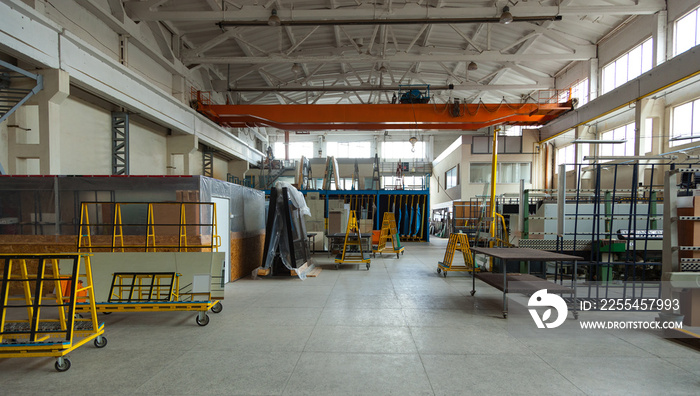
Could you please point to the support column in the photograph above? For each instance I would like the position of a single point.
(48, 148)
(659, 38)
(120, 143)
(207, 161)
(593, 79)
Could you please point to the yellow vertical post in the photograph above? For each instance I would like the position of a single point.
(216, 240)
(117, 230)
(492, 211)
(58, 290)
(183, 229)
(150, 229)
(84, 232)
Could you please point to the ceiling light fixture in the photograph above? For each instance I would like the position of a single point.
(506, 17)
(683, 137)
(594, 141)
(472, 66)
(274, 20)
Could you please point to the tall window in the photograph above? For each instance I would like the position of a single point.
(507, 172)
(296, 150)
(451, 177)
(686, 122)
(580, 92)
(686, 33)
(566, 155)
(649, 130)
(348, 149)
(625, 132)
(630, 65)
(402, 150)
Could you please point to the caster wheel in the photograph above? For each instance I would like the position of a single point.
(100, 344)
(576, 316)
(472, 292)
(444, 274)
(439, 270)
(402, 252)
(204, 321)
(217, 307)
(505, 315)
(106, 313)
(397, 255)
(367, 267)
(62, 367)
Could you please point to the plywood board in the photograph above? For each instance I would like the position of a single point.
(246, 254)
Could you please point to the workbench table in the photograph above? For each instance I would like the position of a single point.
(526, 283)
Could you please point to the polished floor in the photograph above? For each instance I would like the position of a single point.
(396, 329)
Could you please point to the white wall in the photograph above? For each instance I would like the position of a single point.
(147, 150)
(86, 138)
(149, 69)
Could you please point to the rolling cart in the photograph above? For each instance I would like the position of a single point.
(38, 325)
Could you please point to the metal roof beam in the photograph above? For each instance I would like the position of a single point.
(143, 12)
(585, 53)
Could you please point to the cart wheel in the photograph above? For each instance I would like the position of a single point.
(439, 270)
(367, 266)
(402, 252)
(106, 313)
(472, 292)
(217, 307)
(397, 255)
(101, 344)
(444, 274)
(505, 315)
(62, 367)
(204, 321)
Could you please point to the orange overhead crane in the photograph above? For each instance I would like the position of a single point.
(371, 117)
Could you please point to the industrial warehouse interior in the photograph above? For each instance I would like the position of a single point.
(349, 197)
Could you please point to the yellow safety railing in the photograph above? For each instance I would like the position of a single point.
(91, 231)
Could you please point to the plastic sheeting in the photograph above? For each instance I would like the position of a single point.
(50, 205)
(278, 238)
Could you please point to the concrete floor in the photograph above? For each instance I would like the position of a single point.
(398, 328)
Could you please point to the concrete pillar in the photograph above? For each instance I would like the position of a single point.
(45, 149)
(181, 149)
(659, 38)
(593, 79)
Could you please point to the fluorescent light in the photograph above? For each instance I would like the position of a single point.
(683, 137)
(594, 141)
(629, 157)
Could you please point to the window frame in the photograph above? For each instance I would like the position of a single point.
(626, 57)
(449, 177)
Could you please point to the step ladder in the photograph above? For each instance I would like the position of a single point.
(457, 242)
(376, 183)
(353, 253)
(331, 174)
(355, 177)
(389, 232)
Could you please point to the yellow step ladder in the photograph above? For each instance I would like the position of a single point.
(456, 242)
(389, 232)
(353, 238)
